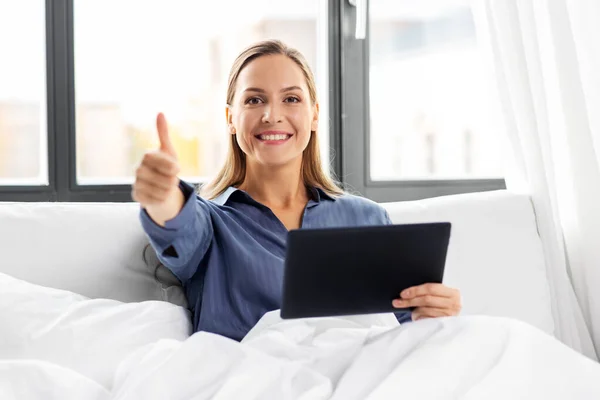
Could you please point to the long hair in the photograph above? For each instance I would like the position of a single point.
(233, 171)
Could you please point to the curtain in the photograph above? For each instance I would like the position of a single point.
(545, 66)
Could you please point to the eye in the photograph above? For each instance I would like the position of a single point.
(253, 100)
(292, 99)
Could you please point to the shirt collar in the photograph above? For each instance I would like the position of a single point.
(317, 195)
(223, 197)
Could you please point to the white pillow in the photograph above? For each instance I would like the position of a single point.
(495, 255)
(90, 336)
(96, 249)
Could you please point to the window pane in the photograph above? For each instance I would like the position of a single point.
(23, 126)
(430, 109)
(174, 57)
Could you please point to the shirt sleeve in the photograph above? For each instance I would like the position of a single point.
(182, 243)
(404, 317)
(386, 217)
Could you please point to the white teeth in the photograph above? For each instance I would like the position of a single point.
(274, 137)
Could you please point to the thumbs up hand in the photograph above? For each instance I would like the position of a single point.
(156, 185)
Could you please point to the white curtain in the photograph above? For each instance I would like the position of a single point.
(545, 63)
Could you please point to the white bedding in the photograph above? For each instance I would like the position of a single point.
(368, 357)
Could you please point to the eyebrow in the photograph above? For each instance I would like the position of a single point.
(259, 90)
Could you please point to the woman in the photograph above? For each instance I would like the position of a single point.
(227, 247)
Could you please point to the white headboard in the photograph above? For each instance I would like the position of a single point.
(97, 250)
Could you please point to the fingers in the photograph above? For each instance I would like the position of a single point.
(434, 289)
(430, 312)
(155, 179)
(430, 300)
(163, 136)
(160, 163)
(424, 301)
(147, 194)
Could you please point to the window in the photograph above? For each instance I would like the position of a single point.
(23, 133)
(404, 111)
(175, 58)
(425, 126)
(427, 89)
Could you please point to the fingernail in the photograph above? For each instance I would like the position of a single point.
(405, 293)
(396, 303)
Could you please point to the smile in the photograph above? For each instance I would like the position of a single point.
(274, 137)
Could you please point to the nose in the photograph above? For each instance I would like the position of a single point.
(272, 115)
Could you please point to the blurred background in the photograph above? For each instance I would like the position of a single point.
(428, 108)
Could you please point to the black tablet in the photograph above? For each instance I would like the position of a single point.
(350, 271)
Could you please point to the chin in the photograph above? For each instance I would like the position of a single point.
(277, 161)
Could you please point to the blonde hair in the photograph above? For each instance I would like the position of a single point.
(233, 171)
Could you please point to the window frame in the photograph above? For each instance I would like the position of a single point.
(62, 173)
(60, 91)
(349, 135)
(19, 193)
(355, 111)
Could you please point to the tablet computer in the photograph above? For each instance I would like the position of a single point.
(359, 270)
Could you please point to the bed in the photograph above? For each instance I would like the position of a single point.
(88, 313)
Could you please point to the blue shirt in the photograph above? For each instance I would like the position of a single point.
(229, 252)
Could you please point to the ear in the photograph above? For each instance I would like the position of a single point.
(229, 118)
(315, 121)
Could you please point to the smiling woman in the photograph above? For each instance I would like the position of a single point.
(228, 246)
(267, 115)
(271, 100)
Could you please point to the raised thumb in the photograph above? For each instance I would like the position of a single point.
(163, 135)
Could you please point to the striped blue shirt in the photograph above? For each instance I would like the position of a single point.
(229, 252)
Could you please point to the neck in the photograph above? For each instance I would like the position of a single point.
(280, 187)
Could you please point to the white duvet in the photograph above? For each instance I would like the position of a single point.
(56, 345)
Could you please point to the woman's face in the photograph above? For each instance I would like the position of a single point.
(271, 113)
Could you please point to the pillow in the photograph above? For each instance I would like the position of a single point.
(172, 290)
(495, 256)
(90, 336)
(96, 249)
